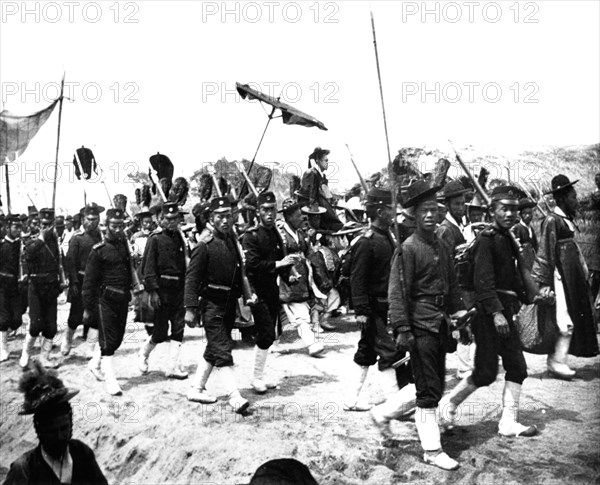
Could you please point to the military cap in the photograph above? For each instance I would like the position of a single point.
(526, 203)
(288, 206)
(47, 214)
(77, 218)
(507, 194)
(142, 214)
(23, 217)
(116, 215)
(418, 191)
(69, 218)
(559, 183)
(91, 209)
(14, 219)
(377, 197)
(32, 211)
(454, 188)
(266, 200)
(220, 204)
(170, 209)
(59, 221)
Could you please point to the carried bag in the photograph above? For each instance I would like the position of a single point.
(536, 329)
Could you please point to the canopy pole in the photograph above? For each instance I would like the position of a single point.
(62, 87)
(258, 147)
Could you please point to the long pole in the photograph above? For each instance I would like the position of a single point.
(394, 189)
(60, 104)
(258, 147)
(7, 189)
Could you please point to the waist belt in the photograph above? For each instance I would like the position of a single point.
(9, 275)
(39, 275)
(379, 299)
(213, 286)
(437, 300)
(167, 277)
(82, 272)
(116, 290)
(508, 293)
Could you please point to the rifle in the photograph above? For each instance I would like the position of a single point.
(362, 180)
(250, 297)
(531, 286)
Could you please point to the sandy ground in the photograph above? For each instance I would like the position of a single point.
(153, 435)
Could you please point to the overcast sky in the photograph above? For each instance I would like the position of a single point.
(152, 76)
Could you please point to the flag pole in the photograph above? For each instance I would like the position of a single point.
(60, 101)
(258, 147)
(394, 189)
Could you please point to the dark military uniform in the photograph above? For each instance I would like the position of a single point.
(262, 248)
(370, 272)
(431, 293)
(450, 234)
(80, 247)
(106, 287)
(498, 288)
(164, 272)
(12, 297)
(42, 262)
(214, 275)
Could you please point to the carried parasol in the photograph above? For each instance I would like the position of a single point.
(289, 114)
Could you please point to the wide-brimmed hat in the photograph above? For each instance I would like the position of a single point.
(476, 203)
(454, 188)
(417, 191)
(42, 389)
(282, 471)
(313, 209)
(559, 183)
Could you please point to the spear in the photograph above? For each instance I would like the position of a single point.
(60, 103)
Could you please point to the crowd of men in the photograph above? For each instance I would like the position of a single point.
(412, 299)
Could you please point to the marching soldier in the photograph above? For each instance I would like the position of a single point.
(80, 247)
(451, 230)
(264, 257)
(499, 291)
(559, 268)
(524, 232)
(214, 275)
(164, 278)
(423, 291)
(12, 299)
(106, 290)
(43, 261)
(294, 288)
(371, 261)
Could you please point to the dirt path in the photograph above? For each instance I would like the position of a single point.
(153, 435)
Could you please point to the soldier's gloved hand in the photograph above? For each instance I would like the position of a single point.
(546, 296)
(191, 318)
(154, 299)
(405, 341)
(86, 317)
(501, 325)
(363, 321)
